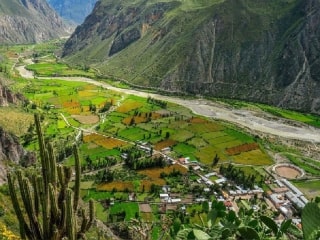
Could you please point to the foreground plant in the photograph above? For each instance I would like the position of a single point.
(49, 209)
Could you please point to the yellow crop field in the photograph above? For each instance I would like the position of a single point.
(74, 110)
(136, 120)
(110, 143)
(15, 121)
(71, 104)
(254, 157)
(91, 137)
(198, 120)
(119, 186)
(86, 119)
(106, 142)
(87, 93)
(154, 173)
(146, 184)
(128, 106)
(163, 144)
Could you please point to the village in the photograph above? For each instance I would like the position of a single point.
(282, 199)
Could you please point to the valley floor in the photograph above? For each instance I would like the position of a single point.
(245, 118)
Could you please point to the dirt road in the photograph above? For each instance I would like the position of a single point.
(245, 118)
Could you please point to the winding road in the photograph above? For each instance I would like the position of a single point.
(245, 118)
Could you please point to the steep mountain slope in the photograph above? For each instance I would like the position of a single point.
(73, 10)
(10, 149)
(266, 51)
(28, 21)
(8, 97)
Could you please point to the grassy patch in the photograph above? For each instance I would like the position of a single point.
(15, 121)
(254, 157)
(101, 212)
(185, 150)
(131, 209)
(308, 165)
(133, 133)
(49, 69)
(182, 136)
(311, 188)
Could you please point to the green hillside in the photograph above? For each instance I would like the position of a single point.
(251, 50)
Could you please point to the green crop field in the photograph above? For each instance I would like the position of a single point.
(311, 188)
(185, 150)
(49, 69)
(194, 137)
(130, 209)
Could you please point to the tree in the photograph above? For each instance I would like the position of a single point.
(167, 135)
(131, 121)
(215, 160)
(49, 208)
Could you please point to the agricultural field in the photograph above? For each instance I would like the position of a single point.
(311, 188)
(188, 136)
(309, 165)
(112, 128)
(15, 120)
(71, 105)
(48, 66)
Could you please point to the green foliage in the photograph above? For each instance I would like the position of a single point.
(270, 224)
(311, 221)
(223, 224)
(249, 233)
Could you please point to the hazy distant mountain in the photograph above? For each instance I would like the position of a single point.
(73, 10)
(28, 21)
(266, 51)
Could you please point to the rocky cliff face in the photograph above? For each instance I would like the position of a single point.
(12, 151)
(73, 10)
(265, 51)
(8, 97)
(29, 21)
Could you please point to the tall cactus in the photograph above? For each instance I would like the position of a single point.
(49, 209)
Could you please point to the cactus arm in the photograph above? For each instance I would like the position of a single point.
(63, 217)
(52, 166)
(77, 177)
(70, 217)
(24, 228)
(43, 155)
(55, 212)
(91, 214)
(36, 195)
(29, 206)
(45, 209)
(85, 221)
(67, 175)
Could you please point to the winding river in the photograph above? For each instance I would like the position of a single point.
(245, 118)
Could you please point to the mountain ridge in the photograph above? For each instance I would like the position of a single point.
(73, 10)
(29, 21)
(256, 51)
